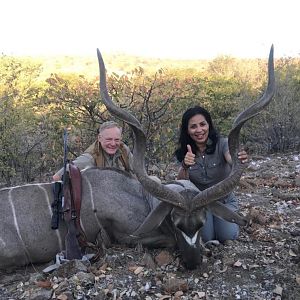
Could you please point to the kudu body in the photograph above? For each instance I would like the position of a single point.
(112, 200)
(129, 210)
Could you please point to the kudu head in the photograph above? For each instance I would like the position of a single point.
(187, 206)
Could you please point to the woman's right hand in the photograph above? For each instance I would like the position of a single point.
(189, 159)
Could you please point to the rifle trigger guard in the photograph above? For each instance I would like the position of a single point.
(73, 215)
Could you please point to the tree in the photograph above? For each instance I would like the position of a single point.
(277, 129)
(19, 139)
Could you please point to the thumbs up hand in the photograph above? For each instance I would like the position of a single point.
(189, 158)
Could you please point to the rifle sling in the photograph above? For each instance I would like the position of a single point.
(72, 212)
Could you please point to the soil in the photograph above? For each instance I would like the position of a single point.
(262, 264)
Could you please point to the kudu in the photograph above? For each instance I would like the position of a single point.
(186, 208)
(131, 211)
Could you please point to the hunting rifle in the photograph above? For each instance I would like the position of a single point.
(72, 247)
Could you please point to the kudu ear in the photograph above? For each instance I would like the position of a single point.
(154, 219)
(220, 210)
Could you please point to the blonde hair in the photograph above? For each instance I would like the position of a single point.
(108, 124)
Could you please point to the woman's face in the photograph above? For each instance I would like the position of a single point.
(198, 129)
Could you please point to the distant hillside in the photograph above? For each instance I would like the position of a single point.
(118, 63)
(124, 63)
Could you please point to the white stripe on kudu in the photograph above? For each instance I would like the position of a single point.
(17, 225)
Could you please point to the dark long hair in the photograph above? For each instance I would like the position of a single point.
(185, 139)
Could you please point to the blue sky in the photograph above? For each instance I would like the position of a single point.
(188, 29)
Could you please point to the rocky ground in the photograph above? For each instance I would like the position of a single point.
(262, 264)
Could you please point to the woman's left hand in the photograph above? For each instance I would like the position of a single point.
(243, 156)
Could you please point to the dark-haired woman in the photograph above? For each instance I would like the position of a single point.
(205, 161)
